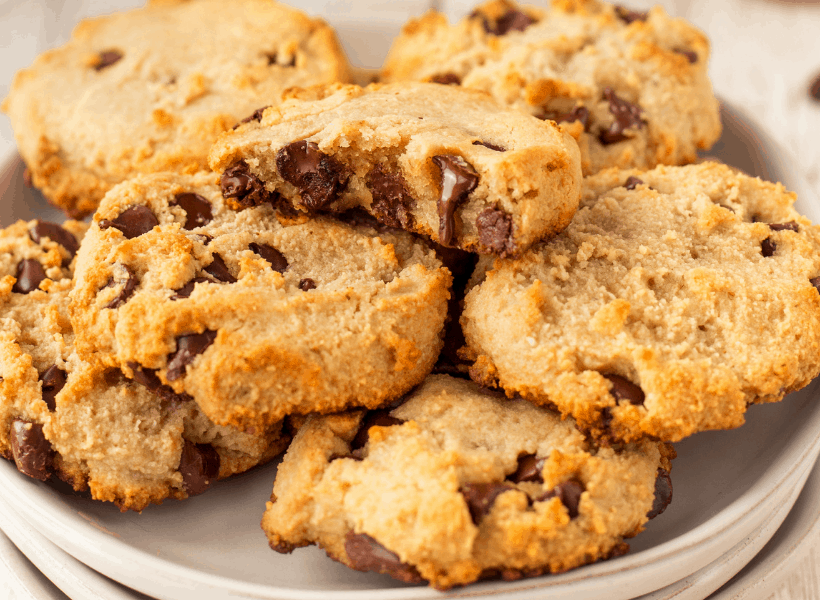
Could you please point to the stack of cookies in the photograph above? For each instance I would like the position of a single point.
(476, 302)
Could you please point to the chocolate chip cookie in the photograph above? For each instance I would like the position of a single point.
(258, 313)
(448, 163)
(675, 299)
(631, 87)
(458, 483)
(151, 89)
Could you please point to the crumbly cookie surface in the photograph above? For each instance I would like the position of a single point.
(253, 317)
(458, 483)
(127, 443)
(675, 298)
(631, 87)
(448, 163)
(151, 89)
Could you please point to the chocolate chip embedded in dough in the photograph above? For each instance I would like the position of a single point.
(789, 226)
(219, 270)
(107, 58)
(692, 57)
(31, 450)
(186, 290)
(529, 469)
(446, 79)
(318, 177)
(307, 284)
(129, 284)
(256, 116)
(569, 492)
(815, 281)
(480, 497)
(623, 389)
(495, 231)
(197, 209)
(630, 16)
(45, 229)
(132, 222)
(147, 377)
(373, 418)
(392, 202)
(768, 247)
(512, 20)
(579, 113)
(489, 145)
(245, 188)
(627, 116)
(458, 180)
(366, 554)
(663, 493)
(199, 466)
(277, 260)
(53, 381)
(29, 275)
(632, 182)
(188, 347)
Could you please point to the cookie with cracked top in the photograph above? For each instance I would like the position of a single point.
(256, 314)
(631, 87)
(448, 163)
(151, 89)
(457, 484)
(675, 299)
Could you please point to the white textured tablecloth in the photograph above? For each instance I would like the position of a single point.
(764, 56)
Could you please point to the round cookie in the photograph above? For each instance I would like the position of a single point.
(151, 89)
(675, 298)
(631, 87)
(458, 484)
(253, 317)
(448, 163)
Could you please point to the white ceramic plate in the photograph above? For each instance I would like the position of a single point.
(212, 546)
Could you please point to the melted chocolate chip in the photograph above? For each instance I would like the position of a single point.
(186, 290)
(366, 554)
(107, 58)
(630, 16)
(458, 180)
(29, 275)
(188, 347)
(132, 222)
(53, 381)
(692, 57)
(480, 497)
(446, 79)
(579, 113)
(495, 231)
(44, 229)
(277, 260)
(256, 116)
(199, 466)
(245, 188)
(197, 209)
(529, 469)
(569, 493)
(128, 287)
(627, 115)
(512, 20)
(489, 145)
(307, 284)
(219, 270)
(663, 493)
(790, 226)
(373, 418)
(392, 201)
(768, 247)
(318, 177)
(623, 389)
(632, 182)
(814, 88)
(147, 377)
(31, 450)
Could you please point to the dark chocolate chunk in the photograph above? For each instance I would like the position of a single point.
(663, 493)
(307, 284)
(188, 347)
(481, 496)
(147, 377)
(814, 88)
(815, 281)
(692, 57)
(495, 231)
(219, 270)
(489, 145)
(632, 182)
(579, 113)
(630, 16)
(199, 466)
(392, 201)
(277, 260)
(53, 381)
(529, 469)
(366, 554)
(107, 58)
(627, 115)
(512, 20)
(44, 229)
(128, 286)
(132, 222)
(790, 226)
(29, 275)
(768, 247)
(186, 290)
(446, 79)
(458, 180)
(256, 116)
(569, 493)
(31, 450)
(318, 177)
(244, 187)
(197, 209)
(373, 418)
(623, 389)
